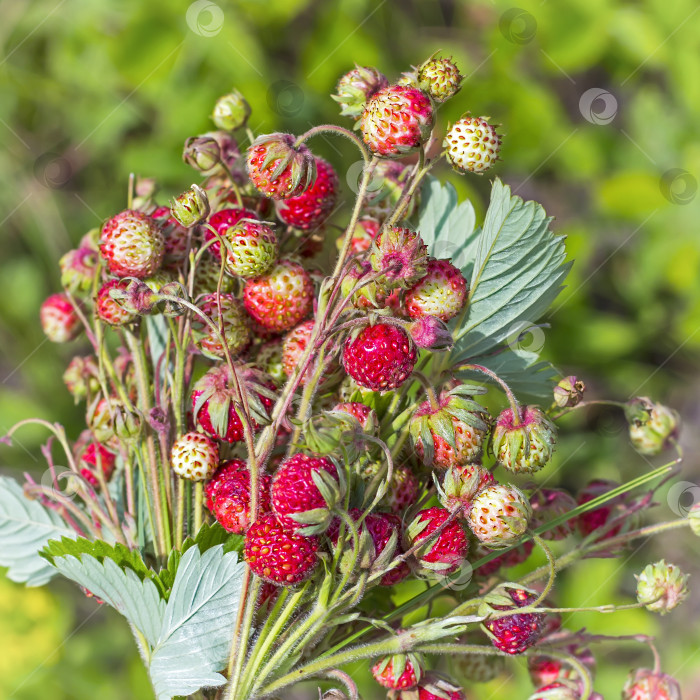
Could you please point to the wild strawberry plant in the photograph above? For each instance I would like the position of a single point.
(276, 444)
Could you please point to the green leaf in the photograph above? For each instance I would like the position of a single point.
(208, 536)
(121, 555)
(193, 643)
(25, 528)
(518, 270)
(522, 371)
(138, 601)
(446, 226)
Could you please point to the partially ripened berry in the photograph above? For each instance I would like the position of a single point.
(524, 443)
(282, 298)
(194, 456)
(461, 484)
(396, 121)
(96, 457)
(399, 671)
(221, 221)
(223, 310)
(108, 309)
(380, 357)
(295, 492)
(231, 500)
(278, 555)
(555, 691)
(514, 634)
(356, 87)
(132, 244)
(434, 687)
(400, 256)
(441, 293)
(441, 554)
(472, 144)
(251, 249)
(59, 319)
(78, 269)
(652, 426)
(403, 489)
(661, 587)
(365, 415)
(450, 432)
(279, 168)
(311, 208)
(499, 515)
(363, 234)
(644, 684)
(549, 504)
(440, 78)
(214, 403)
(293, 348)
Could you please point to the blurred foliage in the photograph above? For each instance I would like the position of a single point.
(91, 91)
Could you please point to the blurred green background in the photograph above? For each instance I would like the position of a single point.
(600, 105)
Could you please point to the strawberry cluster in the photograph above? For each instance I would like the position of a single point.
(312, 412)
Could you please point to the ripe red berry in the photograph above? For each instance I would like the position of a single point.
(516, 633)
(599, 517)
(59, 321)
(294, 492)
(282, 298)
(398, 672)
(231, 498)
(313, 206)
(380, 357)
(443, 554)
(278, 168)
(364, 414)
(225, 470)
(95, 456)
(213, 401)
(278, 555)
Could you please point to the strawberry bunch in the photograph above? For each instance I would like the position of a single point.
(313, 418)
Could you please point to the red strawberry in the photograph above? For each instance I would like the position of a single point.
(294, 492)
(403, 490)
(599, 517)
(312, 207)
(443, 554)
(396, 121)
(441, 293)
(235, 326)
(232, 499)
(221, 221)
(132, 244)
(279, 168)
(59, 320)
(380, 357)
(644, 684)
(213, 401)
(281, 299)
(398, 672)
(109, 310)
(95, 456)
(176, 236)
(194, 456)
(277, 555)
(516, 633)
(227, 469)
(435, 687)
